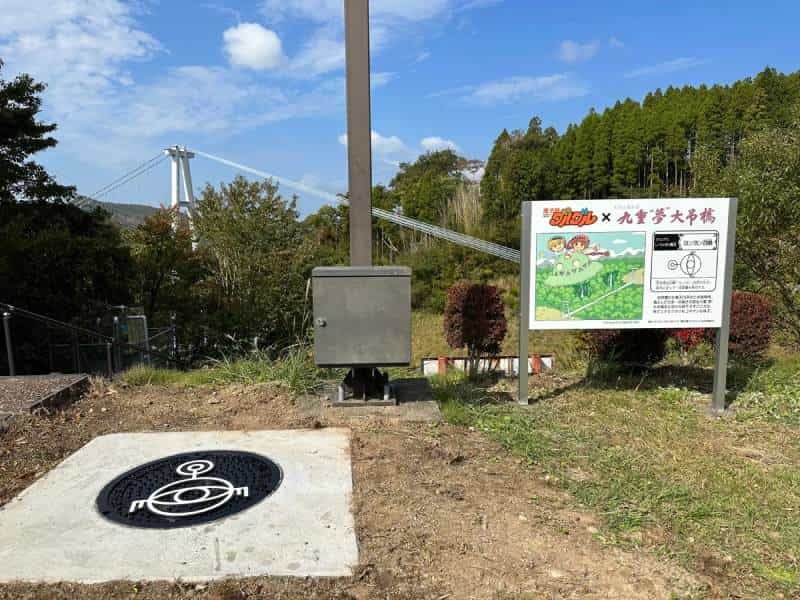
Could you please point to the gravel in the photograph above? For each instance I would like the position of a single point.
(18, 394)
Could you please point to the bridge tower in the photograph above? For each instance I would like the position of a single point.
(181, 171)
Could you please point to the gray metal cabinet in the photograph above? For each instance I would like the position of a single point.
(362, 316)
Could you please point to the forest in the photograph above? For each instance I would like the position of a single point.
(740, 139)
(247, 278)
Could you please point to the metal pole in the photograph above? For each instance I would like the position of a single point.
(116, 336)
(7, 328)
(359, 130)
(50, 348)
(109, 364)
(723, 333)
(524, 302)
(173, 337)
(76, 349)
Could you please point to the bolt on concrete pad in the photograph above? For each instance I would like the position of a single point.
(53, 531)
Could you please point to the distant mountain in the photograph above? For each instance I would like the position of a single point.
(125, 215)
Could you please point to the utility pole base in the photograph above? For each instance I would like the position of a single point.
(365, 387)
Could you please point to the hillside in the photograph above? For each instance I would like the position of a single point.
(125, 215)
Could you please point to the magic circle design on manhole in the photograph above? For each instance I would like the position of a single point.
(189, 489)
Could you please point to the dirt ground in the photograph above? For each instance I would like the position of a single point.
(441, 512)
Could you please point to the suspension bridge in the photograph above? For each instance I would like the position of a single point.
(181, 181)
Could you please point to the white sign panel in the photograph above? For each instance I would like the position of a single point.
(640, 263)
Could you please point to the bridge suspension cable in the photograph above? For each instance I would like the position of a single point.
(128, 177)
(461, 239)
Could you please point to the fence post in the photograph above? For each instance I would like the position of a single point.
(174, 337)
(108, 361)
(117, 353)
(7, 328)
(50, 349)
(76, 350)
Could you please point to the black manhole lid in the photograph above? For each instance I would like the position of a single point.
(189, 489)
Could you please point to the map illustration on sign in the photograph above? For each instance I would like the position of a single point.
(589, 276)
(684, 261)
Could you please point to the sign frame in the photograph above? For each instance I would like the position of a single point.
(722, 332)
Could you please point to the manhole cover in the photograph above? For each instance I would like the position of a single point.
(189, 489)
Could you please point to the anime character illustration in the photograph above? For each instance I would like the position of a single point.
(556, 247)
(580, 244)
(581, 279)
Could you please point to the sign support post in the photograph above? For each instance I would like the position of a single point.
(524, 302)
(723, 333)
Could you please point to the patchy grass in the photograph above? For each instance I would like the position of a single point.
(772, 393)
(295, 368)
(720, 495)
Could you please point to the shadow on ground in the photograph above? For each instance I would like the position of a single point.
(693, 378)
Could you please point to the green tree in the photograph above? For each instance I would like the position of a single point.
(765, 176)
(424, 187)
(22, 135)
(166, 266)
(258, 261)
(328, 234)
(61, 261)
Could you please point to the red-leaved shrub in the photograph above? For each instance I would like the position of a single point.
(474, 318)
(689, 338)
(751, 325)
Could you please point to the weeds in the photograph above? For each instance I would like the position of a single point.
(294, 369)
(772, 393)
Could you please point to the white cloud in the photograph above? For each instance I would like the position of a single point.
(322, 11)
(81, 49)
(422, 56)
(77, 48)
(383, 145)
(573, 52)
(253, 46)
(513, 89)
(110, 116)
(192, 101)
(434, 143)
(669, 66)
(615, 42)
(323, 51)
(618, 242)
(381, 78)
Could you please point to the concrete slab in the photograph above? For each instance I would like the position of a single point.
(53, 532)
(27, 393)
(415, 403)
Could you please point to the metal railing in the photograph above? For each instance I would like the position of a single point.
(100, 353)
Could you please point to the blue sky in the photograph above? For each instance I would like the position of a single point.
(261, 82)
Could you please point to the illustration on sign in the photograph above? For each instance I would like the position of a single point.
(654, 262)
(583, 277)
